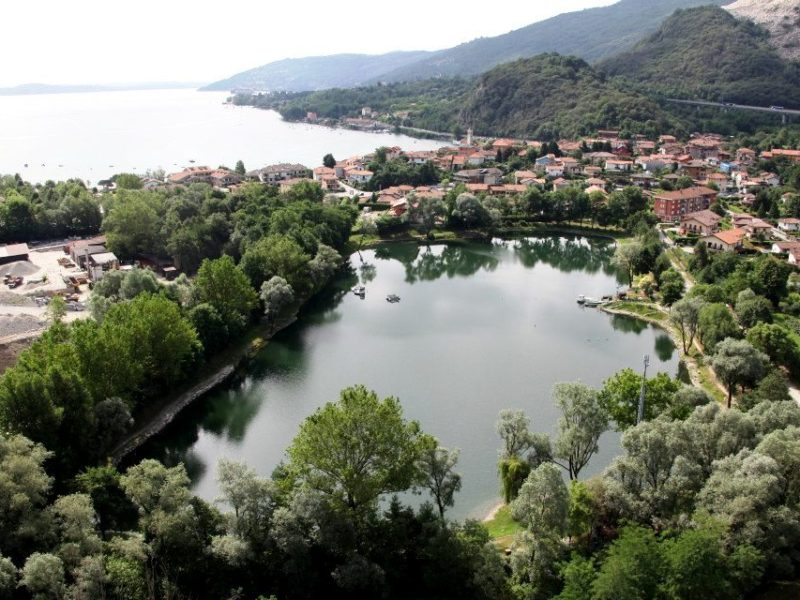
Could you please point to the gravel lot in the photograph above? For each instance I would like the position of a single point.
(18, 324)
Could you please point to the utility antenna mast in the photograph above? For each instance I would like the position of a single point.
(640, 416)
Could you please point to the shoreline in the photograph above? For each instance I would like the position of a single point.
(229, 362)
(260, 334)
(493, 512)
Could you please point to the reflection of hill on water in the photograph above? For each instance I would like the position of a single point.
(567, 254)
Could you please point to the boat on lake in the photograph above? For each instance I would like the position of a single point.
(359, 290)
(393, 298)
(588, 301)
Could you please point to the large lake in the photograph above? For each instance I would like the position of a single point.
(480, 327)
(95, 135)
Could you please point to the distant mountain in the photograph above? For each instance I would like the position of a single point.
(706, 53)
(27, 89)
(317, 72)
(590, 34)
(780, 17)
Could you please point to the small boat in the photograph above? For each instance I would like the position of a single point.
(359, 290)
(393, 298)
(587, 301)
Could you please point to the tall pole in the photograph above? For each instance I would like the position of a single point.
(640, 416)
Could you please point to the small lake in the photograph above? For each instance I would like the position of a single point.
(480, 327)
(92, 136)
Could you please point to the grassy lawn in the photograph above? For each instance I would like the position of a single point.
(503, 528)
(736, 209)
(643, 309)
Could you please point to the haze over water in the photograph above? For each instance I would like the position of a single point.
(61, 136)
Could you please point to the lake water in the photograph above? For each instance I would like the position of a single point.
(479, 328)
(61, 136)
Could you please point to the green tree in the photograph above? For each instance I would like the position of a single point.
(543, 502)
(239, 168)
(716, 323)
(43, 576)
(253, 500)
(155, 334)
(672, 286)
(685, 315)
(583, 420)
(357, 449)
(627, 258)
(133, 223)
(24, 485)
(776, 342)
(752, 309)
(696, 565)
(737, 362)
(469, 212)
(633, 568)
(323, 266)
(8, 578)
(277, 255)
(437, 466)
(329, 161)
(582, 507)
(221, 284)
(773, 388)
(620, 395)
(128, 181)
(578, 575)
(773, 275)
(276, 295)
(57, 309)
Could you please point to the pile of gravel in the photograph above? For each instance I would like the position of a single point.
(12, 299)
(20, 268)
(17, 324)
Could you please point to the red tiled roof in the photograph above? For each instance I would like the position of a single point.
(731, 236)
(686, 194)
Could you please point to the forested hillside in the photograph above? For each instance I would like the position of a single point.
(547, 97)
(590, 34)
(707, 53)
(551, 97)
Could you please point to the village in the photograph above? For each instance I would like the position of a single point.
(684, 181)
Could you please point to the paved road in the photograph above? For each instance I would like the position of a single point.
(779, 111)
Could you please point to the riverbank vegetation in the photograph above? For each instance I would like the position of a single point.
(84, 384)
(693, 477)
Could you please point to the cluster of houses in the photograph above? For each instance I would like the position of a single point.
(640, 162)
(596, 165)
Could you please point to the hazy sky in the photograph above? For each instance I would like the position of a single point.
(108, 41)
